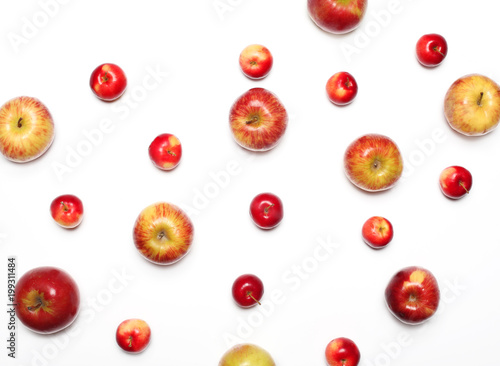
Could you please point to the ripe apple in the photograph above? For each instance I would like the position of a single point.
(337, 16)
(246, 355)
(247, 290)
(377, 232)
(47, 300)
(341, 88)
(258, 120)
(373, 163)
(165, 151)
(342, 352)
(412, 295)
(256, 61)
(67, 211)
(108, 82)
(266, 210)
(455, 182)
(431, 49)
(472, 105)
(133, 335)
(163, 233)
(26, 129)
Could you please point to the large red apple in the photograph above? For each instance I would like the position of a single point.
(47, 300)
(247, 354)
(373, 163)
(337, 16)
(163, 233)
(26, 129)
(133, 335)
(342, 352)
(258, 120)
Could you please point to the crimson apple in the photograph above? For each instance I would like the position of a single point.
(455, 182)
(337, 16)
(377, 232)
(342, 352)
(256, 61)
(108, 82)
(247, 290)
(266, 210)
(165, 151)
(431, 49)
(67, 211)
(133, 335)
(341, 88)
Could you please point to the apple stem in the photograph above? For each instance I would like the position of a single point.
(438, 51)
(105, 77)
(253, 120)
(19, 124)
(348, 83)
(37, 306)
(171, 153)
(130, 341)
(266, 210)
(462, 183)
(65, 207)
(254, 299)
(480, 99)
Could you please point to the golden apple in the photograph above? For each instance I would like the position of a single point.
(246, 355)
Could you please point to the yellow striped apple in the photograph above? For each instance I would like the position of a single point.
(247, 355)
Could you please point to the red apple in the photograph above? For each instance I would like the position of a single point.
(377, 232)
(258, 120)
(266, 210)
(163, 233)
(337, 16)
(342, 352)
(67, 211)
(256, 61)
(165, 151)
(341, 88)
(412, 295)
(431, 49)
(246, 355)
(26, 129)
(133, 335)
(373, 163)
(47, 300)
(108, 82)
(247, 290)
(455, 182)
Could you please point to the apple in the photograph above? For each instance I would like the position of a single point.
(163, 233)
(431, 49)
(256, 61)
(342, 352)
(455, 182)
(337, 16)
(247, 290)
(133, 335)
(108, 82)
(47, 300)
(412, 295)
(67, 211)
(373, 163)
(26, 129)
(341, 88)
(377, 232)
(247, 354)
(266, 210)
(472, 105)
(258, 120)
(165, 151)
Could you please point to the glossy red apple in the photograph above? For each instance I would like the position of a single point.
(108, 82)
(133, 335)
(455, 182)
(412, 295)
(337, 16)
(258, 120)
(266, 210)
(342, 352)
(248, 290)
(377, 232)
(256, 61)
(165, 151)
(47, 300)
(67, 211)
(431, 49)
(341, 88)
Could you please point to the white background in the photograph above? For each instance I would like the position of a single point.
(189, 305)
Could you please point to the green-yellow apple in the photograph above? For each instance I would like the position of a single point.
(246, 355)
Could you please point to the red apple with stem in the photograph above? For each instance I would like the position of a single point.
(165, 151)
(337, 16)
(455, 182)
(256, 61)
(341, 88)
(377, 232)
(247, 290)
(67, 211)
(342, 352)
(133, 335)
(47, 300)
(431, 50)
(108, 82)
(266, 210)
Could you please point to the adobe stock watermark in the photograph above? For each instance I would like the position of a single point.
(91, 139)
(222, 7)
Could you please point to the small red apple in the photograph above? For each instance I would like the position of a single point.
(377, 232)
(266, 210)
(341, 88)
(247, 290)
(256, 61)
(108, 82)
(165, 151)
(455, 182)
(342, 352)
(133, 335)
(431, 49)
(67, 211)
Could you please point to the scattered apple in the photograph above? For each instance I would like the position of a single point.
(108, 82)
(377, 232)
(247, 290)
(47, 300)
(133, 335)
(341, 88)
(431, 49)
(26, 129)
(67, 211)
(165, 151)
(258, 120)
(472, 105)
(337, 16)
(256, 61)
(342, 352)
(266, 210)
(455, 182)
(246, 355)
